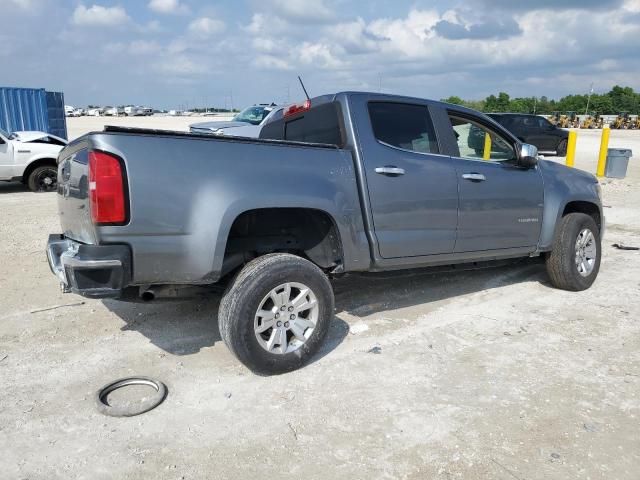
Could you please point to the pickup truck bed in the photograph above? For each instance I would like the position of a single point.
(341, 183)
(205, 176)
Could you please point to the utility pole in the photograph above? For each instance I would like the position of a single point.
(535, 101)
(379, 83)
(589, 99)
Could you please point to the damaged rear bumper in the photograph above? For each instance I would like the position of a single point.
(95, 271)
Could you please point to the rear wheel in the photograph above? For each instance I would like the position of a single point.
(276, 312)
(43, 179)
(574, 261)
(561, 149)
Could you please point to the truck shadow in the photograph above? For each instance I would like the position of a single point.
(12, 187)
(183, 327)
(367, 294)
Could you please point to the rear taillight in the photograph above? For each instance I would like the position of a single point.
(106, 189)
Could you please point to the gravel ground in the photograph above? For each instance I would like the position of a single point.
(482, 374)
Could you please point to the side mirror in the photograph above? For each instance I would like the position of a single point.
(527, 156)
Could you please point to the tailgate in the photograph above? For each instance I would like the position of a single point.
(73, 195)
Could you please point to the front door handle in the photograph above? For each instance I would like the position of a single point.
(390, 170)
(474, 177)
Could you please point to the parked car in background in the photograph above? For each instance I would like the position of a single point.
(535, 130)
(351, 182)
(68, 110)
(94, 112)
(113, 111)
(78, 112)
(30, 157)
(247, 123)
(131, 111)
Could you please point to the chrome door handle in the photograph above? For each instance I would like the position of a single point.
(390, 170)
(474, 177)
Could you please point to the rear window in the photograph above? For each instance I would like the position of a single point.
(321, 124)
(403, 125)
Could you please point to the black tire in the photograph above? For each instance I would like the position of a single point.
(243, 297)
(561, 149)
(43, 179)
(561, 261)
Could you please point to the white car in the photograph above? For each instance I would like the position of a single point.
(132, 111)
(30, 157)
(94, 112)
(247, 123)
(114, 111)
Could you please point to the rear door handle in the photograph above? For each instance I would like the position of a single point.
(390, 170)
(474, 177)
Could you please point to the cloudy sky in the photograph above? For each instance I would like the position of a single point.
(173, 53)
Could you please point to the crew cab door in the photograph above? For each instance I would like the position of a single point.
(412, 188)
(500, 202)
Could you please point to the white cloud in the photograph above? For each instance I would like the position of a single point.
(318, 54)
(23, 4)
(271, 62)
(143, 47)
(205, 27)
(97, 15)
(168, 7)
(302, 10)
(180, 66)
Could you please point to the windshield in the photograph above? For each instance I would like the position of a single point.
(252, 115)
(5, 134)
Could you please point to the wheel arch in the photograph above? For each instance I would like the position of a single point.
(586, 207)
(312, 233)
(35, 163)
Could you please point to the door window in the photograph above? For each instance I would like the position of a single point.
(404, 126)
(544, 123)
(478, 142)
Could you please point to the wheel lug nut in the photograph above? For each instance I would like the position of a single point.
(292, 317)
(277, 315)
(283, 308)
(286, 324)
(291, 309)
(278, 324)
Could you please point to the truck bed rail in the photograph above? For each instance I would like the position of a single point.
(225, 138)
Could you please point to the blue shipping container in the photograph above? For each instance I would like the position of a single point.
(32, 109)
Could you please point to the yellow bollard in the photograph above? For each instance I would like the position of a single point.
(602, 158)
(571, 148)
(486, 154)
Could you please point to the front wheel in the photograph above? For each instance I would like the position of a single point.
(43, 179)
(574, 261)
(276, 312)
(561, 149)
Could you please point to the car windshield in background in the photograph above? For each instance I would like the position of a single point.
(252, 115)
(6, 134)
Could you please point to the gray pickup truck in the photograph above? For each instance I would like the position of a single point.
(340, 183)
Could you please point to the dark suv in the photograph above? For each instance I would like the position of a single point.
(535, 130)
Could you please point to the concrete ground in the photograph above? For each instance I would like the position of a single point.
(487, 374)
